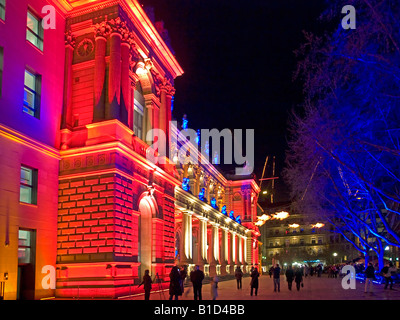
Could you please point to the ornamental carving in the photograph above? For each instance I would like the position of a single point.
(85, 47)
(102, 29)
(69, 38)
(162, 83)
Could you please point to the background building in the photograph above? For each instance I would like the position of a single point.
(302, 238)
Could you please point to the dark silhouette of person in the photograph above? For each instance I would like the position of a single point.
(146, 282)
(197, 277)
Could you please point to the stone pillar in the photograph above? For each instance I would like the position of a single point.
(99, 76)
(126, 107)
(233, 249)
(203, 240)
(163, 107)
(114, 77)
(245, 251)
(214, 249)
(66, 121)
(240, 250)
(187, 237)
(224, 250)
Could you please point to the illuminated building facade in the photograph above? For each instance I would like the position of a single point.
(78, 190)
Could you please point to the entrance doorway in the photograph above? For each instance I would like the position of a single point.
(26, 264)
(148, 209)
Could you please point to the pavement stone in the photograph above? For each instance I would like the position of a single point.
(315, 288)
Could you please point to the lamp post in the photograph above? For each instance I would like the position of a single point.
(334, 257)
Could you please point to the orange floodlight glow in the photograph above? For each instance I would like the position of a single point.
(280, 215)
(317, 225)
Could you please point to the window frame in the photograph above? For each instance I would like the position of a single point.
(138, 109)
(3, 10)
(33, 186)
(39, 35)
(36, 92)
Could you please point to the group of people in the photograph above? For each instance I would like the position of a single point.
(176, 284)
(291, 274)
(387, 272)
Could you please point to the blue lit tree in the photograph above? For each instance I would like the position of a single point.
(343, 161)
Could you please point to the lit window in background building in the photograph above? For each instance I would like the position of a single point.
(2, 9)
(28, 185)
(34, 31)
(24, 246)
(32, 93)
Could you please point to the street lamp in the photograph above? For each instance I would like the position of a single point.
(334, 257)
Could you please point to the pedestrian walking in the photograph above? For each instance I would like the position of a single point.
(254, 282)
(214, 288)
(369, 276)
(270, 271)
(174, 283)
(289, 277)
(306, 270)
(183, 274)
(387, 273)
(146, 282)
(197, 277)
(277, 280)
(298, 278)
(238, 276)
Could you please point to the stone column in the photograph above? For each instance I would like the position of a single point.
(66, 121)
(163, 107)
(214, 249)
(126, 107)
(114, 77)
(233, 249)
(203, 240)
(187, 237)
(224, 250)
(102, 30)
(240, 250)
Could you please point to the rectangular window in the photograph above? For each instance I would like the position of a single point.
(138, 121)
(32, 84)
(3, 9)
(28, 185)
(34, 30)
(24, 246)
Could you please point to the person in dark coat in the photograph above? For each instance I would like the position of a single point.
(175, 289)
(369, 276)
(239, 276)
(197, 277)
(146, 282)
(298, 278)
(254, 281)
(270, 272)
(289, 277)
(277, 281)
(183, 274)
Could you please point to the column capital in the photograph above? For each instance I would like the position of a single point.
(102, 29)
(69, 38)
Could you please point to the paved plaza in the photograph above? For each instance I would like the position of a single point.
(315, 288)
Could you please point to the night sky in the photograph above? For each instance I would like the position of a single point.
(238, 64)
